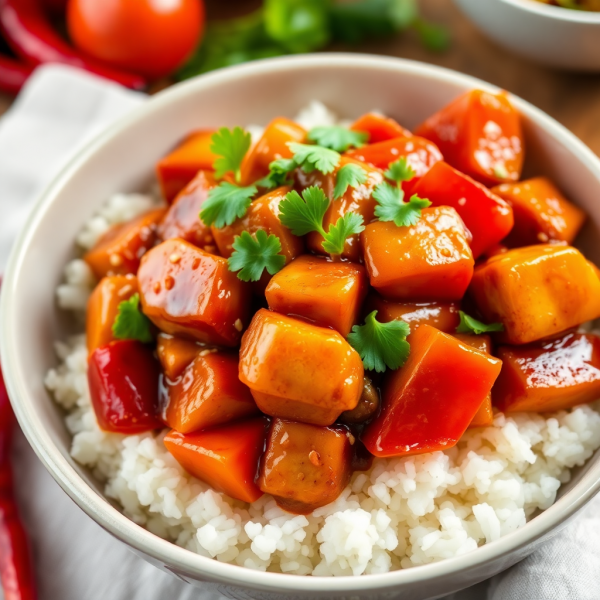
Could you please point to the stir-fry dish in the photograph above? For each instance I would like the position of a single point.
(319, 299)
(593, 5)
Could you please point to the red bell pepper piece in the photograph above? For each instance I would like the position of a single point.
(429, 403)
(13, 74)
(123, 380)
(480, 134)
(30, 35)
(488, 217)
(379, 128)
(226, 457)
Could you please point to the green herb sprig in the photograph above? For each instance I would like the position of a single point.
(253, 253)
(474, 327)
(131, 323)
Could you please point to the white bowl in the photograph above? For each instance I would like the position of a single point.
(552, 35)
(122, 158)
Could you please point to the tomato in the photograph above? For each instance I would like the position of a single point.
(149, 37)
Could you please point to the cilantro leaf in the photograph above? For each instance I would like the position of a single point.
(381, 345)
(350, 175)
(225, 203)
(131, 323)
(255, 253)
(337, 138)
(279, 171)
(230, 145)
(473, 326)
(391, 205)
(350, 224)
(302, 215)
(400, 170)
(314, 157)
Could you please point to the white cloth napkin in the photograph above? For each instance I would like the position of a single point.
(59, 109)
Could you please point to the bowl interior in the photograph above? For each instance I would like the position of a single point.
(122, 159)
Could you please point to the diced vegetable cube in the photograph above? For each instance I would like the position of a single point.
(182, 221)
(358, 200)
(304, 466)
(430, 401)
(441, 315)
(541, 212)
(186, 291)
(272, 145)
(488, 217)
(178, 168)
(367, 406)
(420, 154)
(208, 393)
(119, 250)
(485, 415)
(480, 134)
(262, 214)
(427, 261)
(548, 377)
(225, 457)
(123, 382)
(379, 128)
(536, 291)
(286, 363)
(102, 308)
(329, 294)
(175, 354)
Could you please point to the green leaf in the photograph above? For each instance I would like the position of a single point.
(433, 36)
(230, 145)
(279, 171)
(302, 215)
(350, 175)
(337, 138)
(400, 171)
(334, 240)
(255, 253)
(226, 203)
(131, 323)
(298, 25)
(315, 157)
(391, 205)
(473, 326)
(381, 345)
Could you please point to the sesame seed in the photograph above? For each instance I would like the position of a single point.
(314, 458)
(175, 258)
(116, 260)
(238, 325)
(207, 351)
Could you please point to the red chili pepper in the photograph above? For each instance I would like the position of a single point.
(31, 36)
(13, 74)
(16, 571)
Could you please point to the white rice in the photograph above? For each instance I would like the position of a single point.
(403, 512)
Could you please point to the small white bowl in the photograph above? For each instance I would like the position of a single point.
(552, 35)
(122, 159)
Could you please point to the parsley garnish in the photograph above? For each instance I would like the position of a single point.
(400, 171)
(225, 203)
(350, 175)
(473, 326)
(314, 157)
(381, 345)
(255, 253)
(279, 171)
(337, 138)
(131, 323)
(230, 146)
(391, 205)
(301, 215)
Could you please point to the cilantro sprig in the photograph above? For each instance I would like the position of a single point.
(400, 171)
(303, 214)
(255, 253)
(311, 157)
(226, 203)
(350, 175)
(392, 207)
(381, 345)
(279, 174)
(473, 326)
(131, 323)
(337, 138)
(230, 146)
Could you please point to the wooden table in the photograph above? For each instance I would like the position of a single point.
(573, 99)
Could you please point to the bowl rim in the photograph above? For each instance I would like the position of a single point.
(179, 560)
(557, 13)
